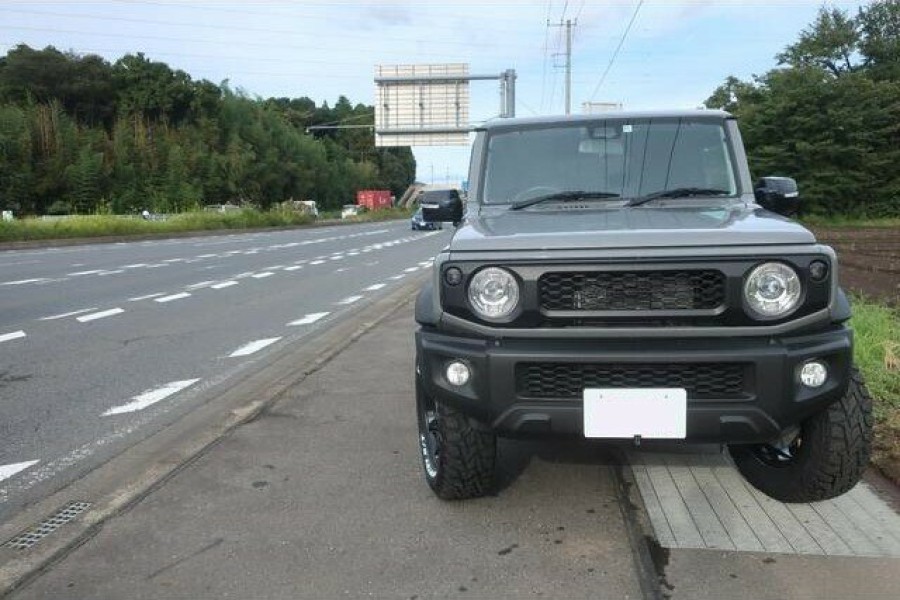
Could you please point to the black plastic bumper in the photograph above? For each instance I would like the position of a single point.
(771, 399)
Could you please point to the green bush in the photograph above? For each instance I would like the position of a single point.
(877, 352)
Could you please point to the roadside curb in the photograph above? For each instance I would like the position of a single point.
(113, 488)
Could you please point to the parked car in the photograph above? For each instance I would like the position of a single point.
(417, 221)
(351, 210)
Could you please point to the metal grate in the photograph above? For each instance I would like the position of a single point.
(569, 380)
(29, 538)
(632, 290)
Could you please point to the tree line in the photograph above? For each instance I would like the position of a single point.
(79, 134)
(829, 114)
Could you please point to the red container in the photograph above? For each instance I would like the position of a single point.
(374, 199)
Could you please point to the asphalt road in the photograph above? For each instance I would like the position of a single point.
(102, 345)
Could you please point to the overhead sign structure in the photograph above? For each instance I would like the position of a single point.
(428, 105)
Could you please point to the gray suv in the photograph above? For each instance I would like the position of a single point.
(619, 277)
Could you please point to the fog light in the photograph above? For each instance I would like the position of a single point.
(458, 373)
(813, 374)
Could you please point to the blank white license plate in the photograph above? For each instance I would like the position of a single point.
(625, 413)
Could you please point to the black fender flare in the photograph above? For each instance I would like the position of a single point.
(425, 314)
(841, 312)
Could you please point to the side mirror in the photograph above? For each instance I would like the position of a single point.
(778, 194)
(441, 205)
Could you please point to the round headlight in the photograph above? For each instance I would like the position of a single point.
(493, 293)
(772, 290)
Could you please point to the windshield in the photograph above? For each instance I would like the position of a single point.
(629, 159)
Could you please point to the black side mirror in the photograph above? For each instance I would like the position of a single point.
(441, 205)
(778, 194)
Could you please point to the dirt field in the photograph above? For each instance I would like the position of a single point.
(869, 260)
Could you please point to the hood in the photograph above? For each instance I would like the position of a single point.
(736, 224)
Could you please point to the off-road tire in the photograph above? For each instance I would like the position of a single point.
(834, 450)
(464, 466)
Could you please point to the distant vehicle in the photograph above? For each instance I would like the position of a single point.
(418, 222)
(374, 199)
(309, 207)
(351, 210)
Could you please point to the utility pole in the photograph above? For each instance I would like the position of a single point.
(568, 25)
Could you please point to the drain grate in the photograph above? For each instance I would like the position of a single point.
(32, 536)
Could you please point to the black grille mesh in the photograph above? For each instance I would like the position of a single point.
(568, 380)
(632, 290)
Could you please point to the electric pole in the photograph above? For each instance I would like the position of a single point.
(568, 25)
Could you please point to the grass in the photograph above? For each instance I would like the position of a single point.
(877, 354)
(849, 222)
(112, 225)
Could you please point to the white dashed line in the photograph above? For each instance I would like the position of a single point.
(12, 336)
(411, 269)
(396, 277)
(135, 266)
(68, 314)
(207, 255)
(93, 272)
(100, 315)
(252, 347)
(115, 272)
(293, 268)
(197, 286)
(151, 397)
(354, 253)
(172, 297)
(310, 318)
(147, 297)
(262, 275)
(24, 281)
(7, 471)
(375, 287)
(349, 300)
(223, 285)
(317, 262)
(174, 260)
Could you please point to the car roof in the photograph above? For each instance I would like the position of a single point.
(622, 115)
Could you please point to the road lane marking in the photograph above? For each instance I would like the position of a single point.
(68, 314)
(293, 268)
(349, 300)
(78, 273)
(172, 297)
(252, 347)
(262, 275)
(174, 260)
(197, 286)
(100, 315)
(317, 262)
(374, 287)
(147, 297)
(24, 281)
(207, 255)
(15, 335)
(135, 266)
(309, 319)
(7, 471)
(150, 397)
(411, 269)
(223, 285)
(115, 272)
(396, 277)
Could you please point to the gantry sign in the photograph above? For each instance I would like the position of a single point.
(428, 105)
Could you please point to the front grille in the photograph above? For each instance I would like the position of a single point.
(568, 380)
(632, 290)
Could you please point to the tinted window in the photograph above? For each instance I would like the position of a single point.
(626, 158)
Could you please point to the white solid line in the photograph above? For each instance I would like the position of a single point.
(375, 287)
(100, 315)
(349, 300)
(310, 318)
(135, 266)
(24, 281)
(95, 271)
(262, 275)
(147, 297)
(68, 314)
(253, 347)
(172, 297)
(12, 336)
(116, 272)
(293, 268)
(223, 285)
(7, 471)
(150, 397)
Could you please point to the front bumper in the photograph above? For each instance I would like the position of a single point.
(766, 399)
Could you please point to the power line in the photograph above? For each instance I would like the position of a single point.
(616, 51)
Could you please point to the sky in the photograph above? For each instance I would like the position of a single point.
(640, 54)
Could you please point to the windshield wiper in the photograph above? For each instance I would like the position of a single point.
(564, 197)
(682, 192)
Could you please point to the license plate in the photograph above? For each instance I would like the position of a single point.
(626, 413)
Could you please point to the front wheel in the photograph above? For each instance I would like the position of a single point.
(822, 458)
(458, 454)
